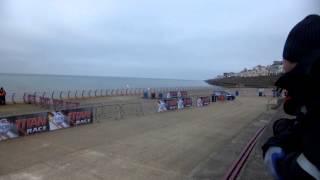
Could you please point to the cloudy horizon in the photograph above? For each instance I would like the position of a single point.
(150, 39)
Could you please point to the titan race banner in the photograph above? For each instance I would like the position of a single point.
(68, 118)
(24, 125)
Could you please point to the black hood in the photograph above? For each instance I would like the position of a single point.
(302, 82)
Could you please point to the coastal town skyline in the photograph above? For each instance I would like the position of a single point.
(275, 68)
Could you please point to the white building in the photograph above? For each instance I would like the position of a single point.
(274, 69)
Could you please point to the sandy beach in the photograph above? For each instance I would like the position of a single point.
(196, 143)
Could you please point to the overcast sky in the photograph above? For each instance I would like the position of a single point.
(176, 39)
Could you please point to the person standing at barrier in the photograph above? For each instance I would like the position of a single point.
(293, 152)
(180, 104)
(162, 106)
(168, 95)
(2, 96)
(199, 102)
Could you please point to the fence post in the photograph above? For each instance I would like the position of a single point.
(12, 98)
(61, 95)
(35, 97)
(24, 98)
(52, 95)
(76, 94)
(69, 94)
(89, 94)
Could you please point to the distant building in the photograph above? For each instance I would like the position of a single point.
(275, 69)
(231, 74)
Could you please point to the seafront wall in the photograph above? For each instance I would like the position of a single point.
(253, 82)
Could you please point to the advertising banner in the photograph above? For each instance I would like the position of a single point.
(24, 125)
(205, 101)
(68, 118)
(187, 102)
(79, 116)
(8, 129)
(172, 104)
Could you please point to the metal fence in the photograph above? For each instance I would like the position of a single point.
(13, 97)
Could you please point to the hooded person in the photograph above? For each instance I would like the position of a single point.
(293, 152)
(2, 96)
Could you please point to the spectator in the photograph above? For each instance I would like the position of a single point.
(180, 104)
(293, 152)
(2, 96)
(162, 106)
(199, 102)
(168, 95)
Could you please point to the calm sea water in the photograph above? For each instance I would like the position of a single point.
(19, 83)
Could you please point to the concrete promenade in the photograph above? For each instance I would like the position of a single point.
(198, 143)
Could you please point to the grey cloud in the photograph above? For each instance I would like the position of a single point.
(179, 39)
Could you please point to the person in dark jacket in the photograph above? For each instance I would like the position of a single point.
(294, 150)
(2, 96)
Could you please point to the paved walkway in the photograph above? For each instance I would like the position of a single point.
(172, 145)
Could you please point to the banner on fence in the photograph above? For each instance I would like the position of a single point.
(24, 125)
(8, 129)
(72, 117)
(79, 116)
(172, 104)
(187, 102)
(205, 100)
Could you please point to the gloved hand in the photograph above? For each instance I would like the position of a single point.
(271, 159)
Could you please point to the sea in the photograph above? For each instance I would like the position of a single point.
(28, 83)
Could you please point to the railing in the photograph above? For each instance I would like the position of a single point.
(14, 97)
